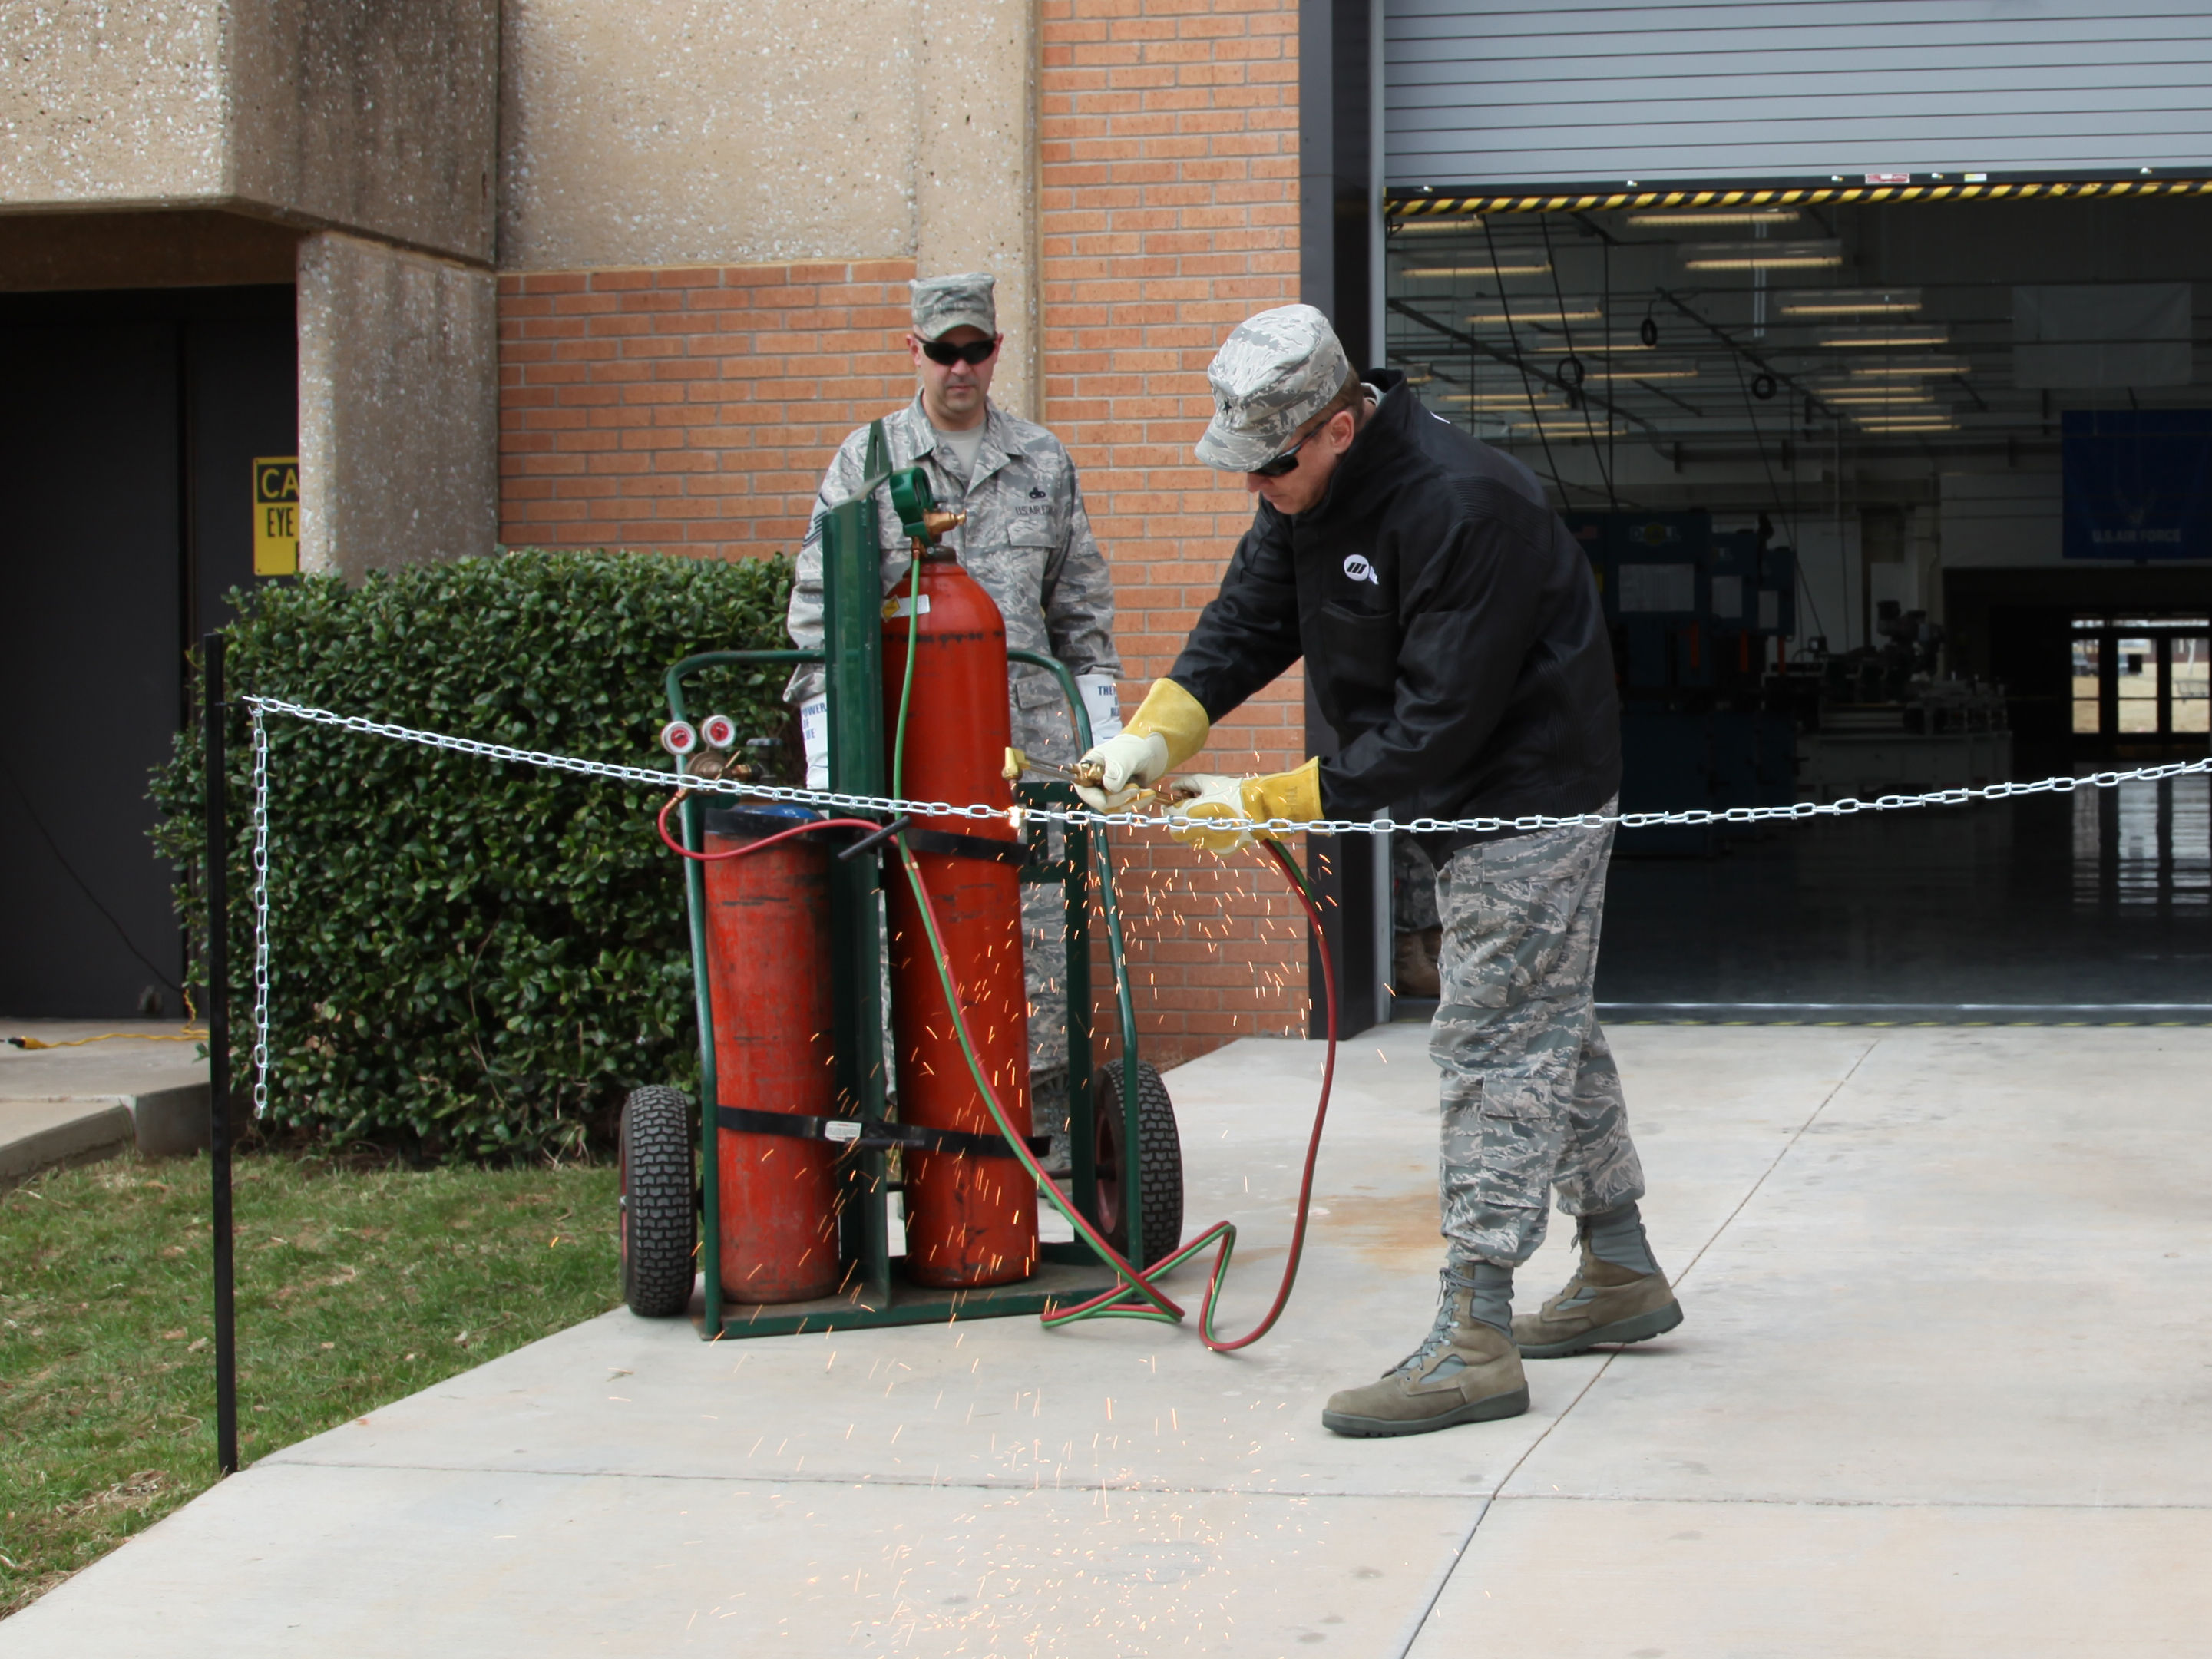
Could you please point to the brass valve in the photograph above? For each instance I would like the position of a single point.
(1090, 774)
(717, 763)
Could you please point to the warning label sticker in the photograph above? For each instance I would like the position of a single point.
(277, 515)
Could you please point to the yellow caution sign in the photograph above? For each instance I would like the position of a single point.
(277, 515)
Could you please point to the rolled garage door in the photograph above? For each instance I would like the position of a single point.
(1580, 91)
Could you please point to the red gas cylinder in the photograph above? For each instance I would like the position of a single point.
(767, 949)
(969, 1221)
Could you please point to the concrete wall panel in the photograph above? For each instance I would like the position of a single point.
(377, 117)
(695, 132)
(398, 407)
(975, 172)
(118, 104)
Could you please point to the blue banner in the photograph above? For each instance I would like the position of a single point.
(2138, 483)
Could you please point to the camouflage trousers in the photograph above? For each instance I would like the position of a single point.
(1412, 887)
(1531, 1098)
(1044, 962)
(1045, 731)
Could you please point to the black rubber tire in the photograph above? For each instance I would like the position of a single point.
(1159, 1165)
(659, 1202)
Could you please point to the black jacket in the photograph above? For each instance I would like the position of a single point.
(1450, 628)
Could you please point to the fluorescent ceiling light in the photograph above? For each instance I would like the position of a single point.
(1430, 225)
(1585, 345)
(1845, 301)
(1499, 400)
(1508, 264)
(1875, 337)
(1761, 256)
(1690, 216)
(1899, 398)
(1654, 371)
(1904, 367)
(1905, 422)
(1534, 310)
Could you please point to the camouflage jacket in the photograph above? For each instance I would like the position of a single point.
(1027, 540)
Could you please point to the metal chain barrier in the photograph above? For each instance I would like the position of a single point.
(260, 911)
(892, 805)
(654, 778)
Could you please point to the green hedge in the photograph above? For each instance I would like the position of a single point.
(473, 958)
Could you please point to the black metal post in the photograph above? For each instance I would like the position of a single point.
(218, 1043)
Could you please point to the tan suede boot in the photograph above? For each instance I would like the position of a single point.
(1415, 975)
(1466, 1372)
(1603, 1302)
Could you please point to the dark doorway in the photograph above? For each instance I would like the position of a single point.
(127, 439)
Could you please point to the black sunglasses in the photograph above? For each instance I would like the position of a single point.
(1284, 462)
(975, 353)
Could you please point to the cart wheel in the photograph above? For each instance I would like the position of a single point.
(1159, 1165)
(657, 1201)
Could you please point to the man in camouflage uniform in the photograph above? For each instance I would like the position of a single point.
(1027, 540)
(1413, 918)
(1452, 637)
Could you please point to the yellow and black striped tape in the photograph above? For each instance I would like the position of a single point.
(1441, 205)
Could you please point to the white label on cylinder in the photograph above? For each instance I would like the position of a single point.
(1101, 701)
(906, 607)
(814, 734)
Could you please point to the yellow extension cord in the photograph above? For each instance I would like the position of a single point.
(188, 1035)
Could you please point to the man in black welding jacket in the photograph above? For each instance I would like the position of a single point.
(1452, 634)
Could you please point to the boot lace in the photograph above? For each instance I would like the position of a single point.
(1448, 1284)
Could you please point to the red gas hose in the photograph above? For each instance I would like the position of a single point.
(765, 842)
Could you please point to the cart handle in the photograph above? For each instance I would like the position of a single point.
(1124, 1004)
(706, 660)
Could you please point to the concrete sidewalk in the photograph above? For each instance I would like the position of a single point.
(1944, 1389)
(62, 1105)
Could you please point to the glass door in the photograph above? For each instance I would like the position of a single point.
(2190, 693)
(2140, 684)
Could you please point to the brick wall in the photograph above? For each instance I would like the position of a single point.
(694, 408)
(1168, 213)
(688, 408)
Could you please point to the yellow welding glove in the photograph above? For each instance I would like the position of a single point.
(1167, 729)
(1294, 796)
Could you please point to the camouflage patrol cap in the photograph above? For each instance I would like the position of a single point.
(1274, 373)
(942, 304)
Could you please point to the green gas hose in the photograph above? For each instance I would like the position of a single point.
(1135, 1296)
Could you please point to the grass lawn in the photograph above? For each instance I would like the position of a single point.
(355, 1286)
